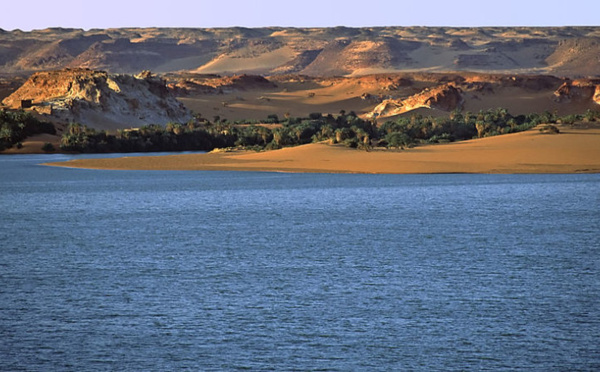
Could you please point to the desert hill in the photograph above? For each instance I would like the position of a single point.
(110, 101)
(188, 83)
(382, 96)
(560, 51)
(99, 99)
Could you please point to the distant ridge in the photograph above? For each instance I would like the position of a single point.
(560, 51)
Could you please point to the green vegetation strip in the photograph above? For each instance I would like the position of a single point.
(348, 129)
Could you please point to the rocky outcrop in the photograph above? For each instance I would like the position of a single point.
(186, 84)
(445, 97)
(578, 91)
(529, 82)
(243, 82)
(388, 107)
(100, 99)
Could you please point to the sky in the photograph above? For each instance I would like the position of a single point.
(87, 14)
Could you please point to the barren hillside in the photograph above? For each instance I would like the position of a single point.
(99, 99)
(563, 51)
(382, 95)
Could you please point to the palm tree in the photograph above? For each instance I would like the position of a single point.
(397, 140)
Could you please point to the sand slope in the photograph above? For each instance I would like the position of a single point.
(33, 144)
(574, 150)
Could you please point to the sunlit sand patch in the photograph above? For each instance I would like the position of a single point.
(572, 151)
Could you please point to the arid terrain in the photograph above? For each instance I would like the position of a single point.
(240, 73)
(99, 99)
(561, 51)
(575, 150)
(126, 78)
(384, 96)
(108, 101)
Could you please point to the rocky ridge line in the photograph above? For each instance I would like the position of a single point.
(88, 97)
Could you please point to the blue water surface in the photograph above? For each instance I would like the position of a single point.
(148, 270)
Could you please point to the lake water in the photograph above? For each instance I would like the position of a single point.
(138, 270)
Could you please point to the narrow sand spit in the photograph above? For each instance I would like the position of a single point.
(571, 151)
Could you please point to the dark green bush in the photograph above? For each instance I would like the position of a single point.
(48, 147)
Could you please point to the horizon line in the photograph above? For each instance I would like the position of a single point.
(292, 27)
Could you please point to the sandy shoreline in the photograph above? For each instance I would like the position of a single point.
(574, 150)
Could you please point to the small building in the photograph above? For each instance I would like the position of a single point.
(26, 103)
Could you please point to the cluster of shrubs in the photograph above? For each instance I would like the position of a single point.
(203, 135)
(406, 131)
(15, 126)
(346, 128)
(149, 138)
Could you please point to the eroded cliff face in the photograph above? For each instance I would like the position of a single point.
(186, 84)
(100, 99)
(445, 97)
(579, 90)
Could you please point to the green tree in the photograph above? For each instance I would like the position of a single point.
(397, 140)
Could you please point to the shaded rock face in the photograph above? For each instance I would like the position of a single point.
(245, 82)
(446, 98)
(578, 90)
(99, 99)
(185, 84)
(530, 82)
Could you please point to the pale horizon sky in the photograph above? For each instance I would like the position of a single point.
(40, 14)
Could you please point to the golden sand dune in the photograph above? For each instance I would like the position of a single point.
(574, 150)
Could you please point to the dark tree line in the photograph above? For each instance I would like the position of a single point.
(346, 128)
(149, 138)
(416, 129)
(203, 135)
